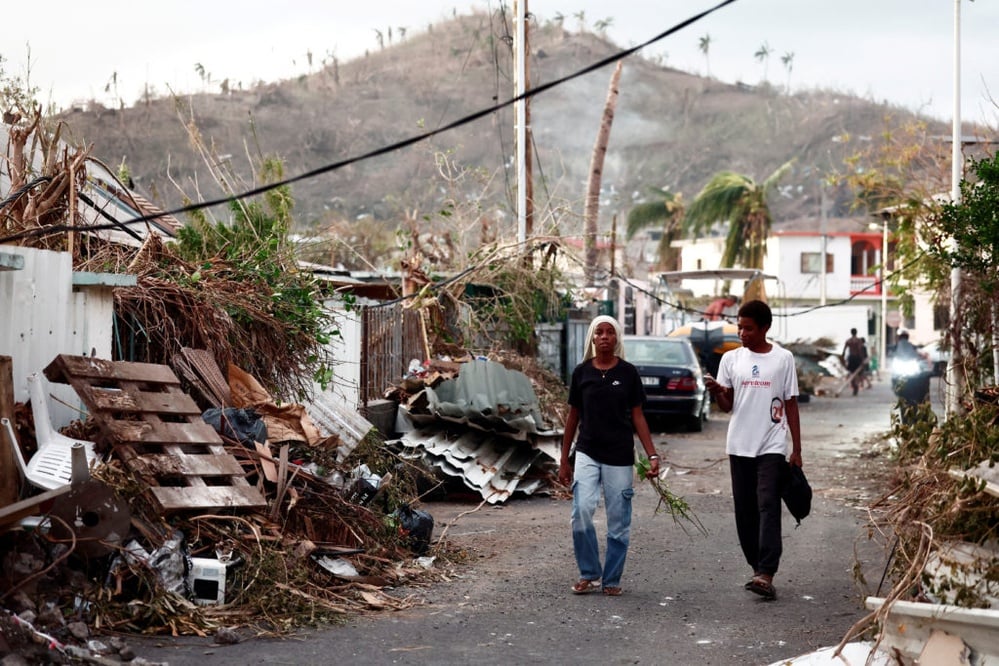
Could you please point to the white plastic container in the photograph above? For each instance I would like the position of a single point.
(207, 581)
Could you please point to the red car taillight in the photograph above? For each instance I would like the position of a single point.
(682, 384)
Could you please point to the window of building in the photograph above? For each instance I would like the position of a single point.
(811, 262)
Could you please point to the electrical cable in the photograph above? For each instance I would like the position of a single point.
(384, 150)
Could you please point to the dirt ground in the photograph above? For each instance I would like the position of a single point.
(683, 600)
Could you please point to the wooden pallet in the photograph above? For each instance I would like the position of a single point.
(157, 430)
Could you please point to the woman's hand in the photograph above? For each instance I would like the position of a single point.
(565, 473)
(653, 468)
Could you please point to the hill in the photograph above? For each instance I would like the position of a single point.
(672, 129)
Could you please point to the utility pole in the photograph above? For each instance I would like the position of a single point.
(521, 120)
(955, 379)
(823, 258)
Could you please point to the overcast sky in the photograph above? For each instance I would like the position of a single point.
(901, 51)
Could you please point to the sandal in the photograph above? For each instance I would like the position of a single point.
(762, 584)
(584, 586)
(612, 591)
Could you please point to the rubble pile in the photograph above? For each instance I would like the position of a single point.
(938, 522)
(252, 526)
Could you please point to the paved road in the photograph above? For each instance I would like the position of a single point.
(683, 600)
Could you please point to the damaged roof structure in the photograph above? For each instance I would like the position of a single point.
(485, 427)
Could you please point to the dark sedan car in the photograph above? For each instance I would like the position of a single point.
(672, 378)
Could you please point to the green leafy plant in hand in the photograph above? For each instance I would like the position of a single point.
(678, 507)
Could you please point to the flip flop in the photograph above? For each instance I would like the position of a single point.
(762, 585)
(584, 586)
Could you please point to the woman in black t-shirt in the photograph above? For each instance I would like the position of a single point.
(605, 408)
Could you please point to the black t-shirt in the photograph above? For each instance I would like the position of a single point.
(605, 400)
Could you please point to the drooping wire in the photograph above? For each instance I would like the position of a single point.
(384, 150)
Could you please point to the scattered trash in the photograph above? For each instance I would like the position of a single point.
(337, 566)
(417, 527)
(243, 425)
(206, 581)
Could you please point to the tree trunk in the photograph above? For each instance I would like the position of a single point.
(592, 208)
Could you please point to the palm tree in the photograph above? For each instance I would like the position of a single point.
(602, 25)
(740, 201)
(704, 44)
(788, 61)
(591, 207)
(665, 212)
(763, 55)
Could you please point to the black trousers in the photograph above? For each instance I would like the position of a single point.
(756, 486)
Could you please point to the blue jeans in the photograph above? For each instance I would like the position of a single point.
(588, 478)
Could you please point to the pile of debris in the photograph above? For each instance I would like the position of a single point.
(479, 422)
(938, 520)
(205, 508)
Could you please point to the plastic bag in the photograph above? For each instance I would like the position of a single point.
(796, 492)
(416, 527)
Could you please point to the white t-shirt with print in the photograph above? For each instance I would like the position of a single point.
(762, 383)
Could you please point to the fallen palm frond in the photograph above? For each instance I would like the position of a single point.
(677, 506)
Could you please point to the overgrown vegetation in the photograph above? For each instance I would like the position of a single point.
(938, 503)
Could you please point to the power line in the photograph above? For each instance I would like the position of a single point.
(416, 138)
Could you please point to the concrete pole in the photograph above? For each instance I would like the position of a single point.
(825, 239)
(954, 376)
(883, 333)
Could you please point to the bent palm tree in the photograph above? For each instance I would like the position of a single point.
(666, 213)
(740, 201)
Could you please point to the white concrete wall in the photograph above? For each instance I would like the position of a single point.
(833, 322)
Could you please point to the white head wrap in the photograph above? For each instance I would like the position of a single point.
(589, 352)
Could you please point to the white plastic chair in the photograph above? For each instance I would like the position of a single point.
(52, 465)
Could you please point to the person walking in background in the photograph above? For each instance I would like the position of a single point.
(853, 357)
(605, 409)
(865, 365)
(758, 384)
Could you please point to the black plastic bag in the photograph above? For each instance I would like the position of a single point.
(243, 425)
(796, 492)
(416, 527)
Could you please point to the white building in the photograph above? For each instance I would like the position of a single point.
(829, 301)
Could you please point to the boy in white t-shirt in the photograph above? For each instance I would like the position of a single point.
(759, 385)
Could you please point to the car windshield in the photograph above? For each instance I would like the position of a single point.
(657, 352)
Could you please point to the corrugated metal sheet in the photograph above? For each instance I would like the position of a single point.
(485, 427)
(485, 395)
(44, 315)
(487, 463)
(333, 417)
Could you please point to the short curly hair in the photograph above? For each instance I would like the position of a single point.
(759, 312)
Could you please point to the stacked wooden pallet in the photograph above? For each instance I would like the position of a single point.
(157, 430)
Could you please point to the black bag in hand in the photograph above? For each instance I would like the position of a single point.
(796, 492)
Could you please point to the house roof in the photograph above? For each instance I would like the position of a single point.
(102, 201)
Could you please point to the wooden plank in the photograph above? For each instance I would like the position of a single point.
(182, 464)
(170, 403)
(33, 506)
(209, 497)
(64, 366)
(8, 465)
(162, 433)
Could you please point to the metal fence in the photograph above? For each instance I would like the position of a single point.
(390, 338)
